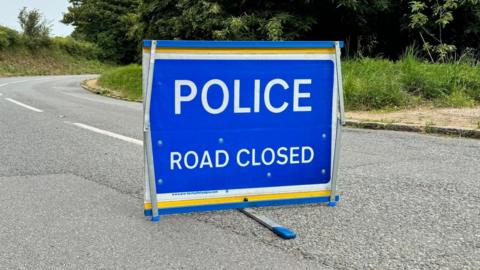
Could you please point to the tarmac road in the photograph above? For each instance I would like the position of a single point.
(71, 193)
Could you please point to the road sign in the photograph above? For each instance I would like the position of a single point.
(240, 124)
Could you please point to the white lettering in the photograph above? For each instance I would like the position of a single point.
(236, 99)
(205, 103)
(242, 164)
(298, 95)
(178, 95)
(312, 154)
(206, 160)
(281, 153)
(195, 160)
(294, 155)
(267, 100)
(272, 156)
(175, 158)
(256, 96)
(226, 158)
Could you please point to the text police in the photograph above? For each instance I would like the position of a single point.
(300, 91)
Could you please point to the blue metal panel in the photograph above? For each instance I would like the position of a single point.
(194, 129)
(241, 44)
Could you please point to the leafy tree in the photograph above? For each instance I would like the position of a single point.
(222, 20)
(34, 27)
(430, 18)
(106, 23)
(368, 27)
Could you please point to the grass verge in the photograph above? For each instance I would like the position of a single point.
(23, 62)
(125, 81)
(382, 84)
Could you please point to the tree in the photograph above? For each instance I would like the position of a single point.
(35, 28)
(106, 23)
(430, 18)
(368, 27)
(221, 20)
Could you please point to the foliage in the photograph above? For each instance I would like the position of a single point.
(76, 48)
(457, 99)
(20, 55)
(35, 28)
(8, 37)
(373, 84)
(376, 83)
(106, 23)
(369, 28)
(46, 61)
(127, 80)
(222, 20)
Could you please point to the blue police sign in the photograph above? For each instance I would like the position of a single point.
(238, 124)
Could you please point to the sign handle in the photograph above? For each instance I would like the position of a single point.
(339, 124)
(147, 136)
(279, 230)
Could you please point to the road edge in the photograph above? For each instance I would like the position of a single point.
(429, 129)
(104, 91)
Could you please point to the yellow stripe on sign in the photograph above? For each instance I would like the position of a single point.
(238, 199)
(244, 50)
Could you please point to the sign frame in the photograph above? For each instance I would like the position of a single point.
(155, 206)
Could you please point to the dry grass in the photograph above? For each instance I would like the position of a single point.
(450, 117)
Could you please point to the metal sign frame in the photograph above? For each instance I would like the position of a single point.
(155, 205)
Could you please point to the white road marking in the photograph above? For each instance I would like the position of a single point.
(30, 80)
(5, 84)
(24, 105)
(108, 133)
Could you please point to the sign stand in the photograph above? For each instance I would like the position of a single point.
(278, 229)
(340, 118)
(147, 136)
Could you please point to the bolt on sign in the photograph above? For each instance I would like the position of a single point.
(240, 124)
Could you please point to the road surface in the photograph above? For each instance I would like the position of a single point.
(71, 189)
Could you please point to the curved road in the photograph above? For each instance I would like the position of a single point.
(71, 197)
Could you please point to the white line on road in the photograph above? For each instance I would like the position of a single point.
(24, 105)
(22, 81)
(108, 133)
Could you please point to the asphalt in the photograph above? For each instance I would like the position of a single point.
(72, 199)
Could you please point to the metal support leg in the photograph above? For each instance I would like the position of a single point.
(336, 158)
(340, 122)
(147, 135)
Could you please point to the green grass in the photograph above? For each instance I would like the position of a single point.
(370, 84)
(383, 84)
(126, 80)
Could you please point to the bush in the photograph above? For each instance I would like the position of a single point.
(76, 48)
(8, 38)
